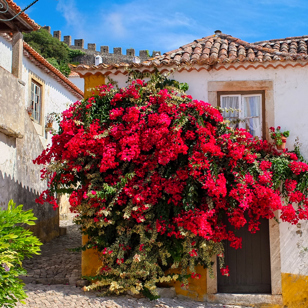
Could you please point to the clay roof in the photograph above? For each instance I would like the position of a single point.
(222, 48)
(73, 74)
(214, 51)
(41, 62)
(293, 45)
(27, 25)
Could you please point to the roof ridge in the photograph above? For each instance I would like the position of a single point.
(290, 38)
(255, 46)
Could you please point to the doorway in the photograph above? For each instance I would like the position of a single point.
(250, 266)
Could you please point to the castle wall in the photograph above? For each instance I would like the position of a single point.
(107, 57)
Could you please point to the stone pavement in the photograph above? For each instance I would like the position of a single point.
(52, 277)
(58, 296)
(57, 264)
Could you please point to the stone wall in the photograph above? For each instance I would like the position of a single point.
(107, 57)
(19, 145)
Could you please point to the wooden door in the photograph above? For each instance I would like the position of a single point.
(249, 266)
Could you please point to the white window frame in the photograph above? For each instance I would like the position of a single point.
(241, 97)
(36, 101)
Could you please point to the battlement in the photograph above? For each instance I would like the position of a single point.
(91, 51)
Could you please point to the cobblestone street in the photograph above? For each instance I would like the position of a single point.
(57, 264)
(52, 277)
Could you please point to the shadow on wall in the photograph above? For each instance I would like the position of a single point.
(47, 225)
(9, 141)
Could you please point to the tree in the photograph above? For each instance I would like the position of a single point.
(152, 173)
(57, 53)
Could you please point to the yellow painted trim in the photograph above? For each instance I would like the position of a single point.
(294, 290)
(90, 261)
(92, 81)
(197, 287)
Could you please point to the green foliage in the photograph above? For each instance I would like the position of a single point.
(48, 46)
(159, 80)
(57, 53)
(277, 135)
(73, 53)
(64, 69)
(16, 243)
(54, 62)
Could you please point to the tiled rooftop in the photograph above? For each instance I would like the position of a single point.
(222, 48)
(293, 45)
(12, 5)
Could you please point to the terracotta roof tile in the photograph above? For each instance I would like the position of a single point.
(73, 74)
(292, 45)
(23, 15)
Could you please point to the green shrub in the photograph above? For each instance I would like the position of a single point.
(16, 243)
(57, 53)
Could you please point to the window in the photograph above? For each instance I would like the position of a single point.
(36, 101)
(248, 112)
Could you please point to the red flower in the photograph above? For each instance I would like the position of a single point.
(195, 276)
(193, 253)
(225, 271)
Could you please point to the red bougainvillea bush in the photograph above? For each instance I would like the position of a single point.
(153, 174)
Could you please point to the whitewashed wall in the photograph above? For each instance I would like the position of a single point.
(77, 81)
(8, 163)
(56, 96)
(5, 54)
(294, 248)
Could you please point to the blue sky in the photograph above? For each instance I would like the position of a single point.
(166, 24)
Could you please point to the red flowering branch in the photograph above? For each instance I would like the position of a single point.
(152, 173)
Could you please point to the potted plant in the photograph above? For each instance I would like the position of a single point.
(29, 110)
(49, 119)
(279, 137)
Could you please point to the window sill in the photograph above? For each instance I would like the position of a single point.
(10, 132)
(39, 128)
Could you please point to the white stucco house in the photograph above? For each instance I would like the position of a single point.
(27, 81)
(267, 81)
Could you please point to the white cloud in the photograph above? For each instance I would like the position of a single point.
(164, 25)
(149, 25)
(74, 18)
(114, 22)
